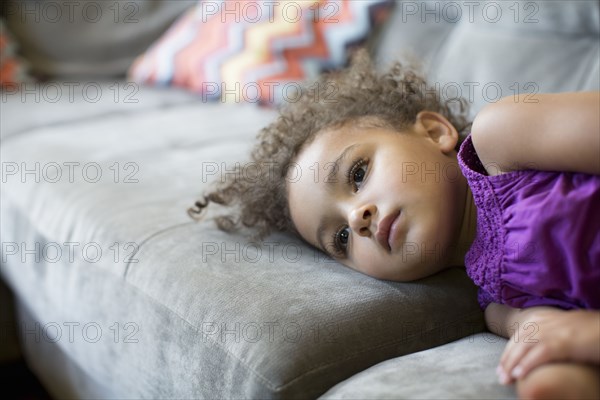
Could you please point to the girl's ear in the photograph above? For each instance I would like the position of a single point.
(438, 129)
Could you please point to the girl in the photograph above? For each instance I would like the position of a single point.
(381, 174)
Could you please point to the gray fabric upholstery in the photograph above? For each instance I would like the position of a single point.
(59, 103)
(88, 38)
(529, 47)
(460, 370)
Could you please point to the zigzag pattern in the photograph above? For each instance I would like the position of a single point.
(13, 70)
(246, 49)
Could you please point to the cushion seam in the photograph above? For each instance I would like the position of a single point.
(392, 343)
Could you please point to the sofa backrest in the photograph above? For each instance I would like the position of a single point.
(88, 38)
(487, 50)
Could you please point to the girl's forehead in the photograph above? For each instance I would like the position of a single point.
(328, 144)
(344, 136)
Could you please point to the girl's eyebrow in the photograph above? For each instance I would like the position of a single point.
(332, 177)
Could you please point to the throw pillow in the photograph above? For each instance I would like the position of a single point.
(13, 70)
(258, 51)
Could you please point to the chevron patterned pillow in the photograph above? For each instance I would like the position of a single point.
(257, 51)
(13, 70)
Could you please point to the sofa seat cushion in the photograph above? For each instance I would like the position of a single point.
(61, 103)
(463, 369)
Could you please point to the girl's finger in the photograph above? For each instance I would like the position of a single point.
(535, 357)
(508, 348)
(515, 353)
(515, 340)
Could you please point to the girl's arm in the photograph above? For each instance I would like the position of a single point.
(551, 132)
(543, 334)
(505, 321)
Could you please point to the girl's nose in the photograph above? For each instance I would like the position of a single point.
(360, 219)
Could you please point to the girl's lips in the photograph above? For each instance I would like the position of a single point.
(387, 230)
(394, 231)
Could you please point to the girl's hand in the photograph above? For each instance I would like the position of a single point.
(547, 335)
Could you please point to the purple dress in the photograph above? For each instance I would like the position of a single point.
(538, 236)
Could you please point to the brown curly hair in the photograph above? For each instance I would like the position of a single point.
(357, 94)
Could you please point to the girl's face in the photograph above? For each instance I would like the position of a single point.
(388, 204)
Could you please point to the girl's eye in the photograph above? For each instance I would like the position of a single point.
(339, 240)
(354, 177)
(356, 173)
(343, 236)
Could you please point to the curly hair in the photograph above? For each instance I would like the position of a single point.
(357, 94)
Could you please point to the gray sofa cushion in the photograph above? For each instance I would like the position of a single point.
(66, 102)
(438, 373)
(88, 38)
(214, 314)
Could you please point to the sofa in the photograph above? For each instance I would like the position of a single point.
(119, 294)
